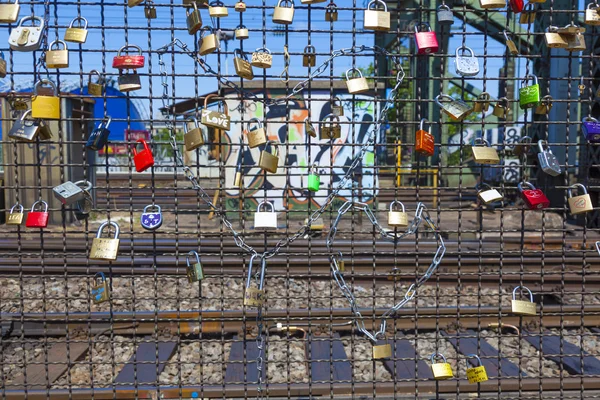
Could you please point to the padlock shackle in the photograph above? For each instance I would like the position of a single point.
(462, 49)
(127, 47)
(336, 98)
(437, 355)
(473, 356)
(265, 202)
(107, 124)
(240, 26)
(95, 72)
(484, 96)
(543, 146)
(216, 3)
(480, 185)
(527, 78)
(192, 119)
(100, 275)
(249, 278)
(377, 3)
(598, 246)
(85, 185)
(263, 268)
(194, 6)
(16, 205)
(514, 293)
(313, 168)
(397, 202)
(330, 5)
(444, 7)
(192, 253)
(274, 147)
(45, 82)
(287, 3)
(422, 125)
(354, 69)
(525, 183)
(593, 4)
(262, 50)
(576, 186)
(212, 95)
(331, 116)
(79, 18)
(144, 144)
(310, 49)
(206, 28)
(57, 42)
(420, 24)
(589, 119)
(504, 100)
(481, 142)
(443, 97)
(33, 18)
(40, 202)
(152, 206)
(524, 138)
(108, 225)
(258, 124)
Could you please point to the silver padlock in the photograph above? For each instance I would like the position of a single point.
(397, 218)
(466, 65)
(27, 38)
(548, 161)
(265, 219)
(69, 192)
(445, 15)
(488, 195)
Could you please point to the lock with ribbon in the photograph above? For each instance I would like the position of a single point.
(579, 204)
(100, 289)
(215, 119)
(37, 219)
(534, 198)
(424, 141)
(265, 219)
(144, 158)
(15, 217)
(441, 370)
(129, 61)
(105, 248)
(99, 136)
(523, 307)
(151, 217)
(45, 107)
(27, 38)
(477, 373)
(194, 271)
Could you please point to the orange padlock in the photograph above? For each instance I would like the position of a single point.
(424, 142)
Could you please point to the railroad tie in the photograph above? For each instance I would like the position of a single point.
(328, 359)
(404, 364)
(235, 367)
(143, 366)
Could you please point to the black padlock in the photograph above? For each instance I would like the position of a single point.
(99, 136)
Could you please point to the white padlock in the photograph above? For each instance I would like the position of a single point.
(265, 219)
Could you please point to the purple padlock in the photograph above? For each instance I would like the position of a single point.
(151, 220)
(591, 129)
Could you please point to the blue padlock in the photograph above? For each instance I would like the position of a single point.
(151, 220)
(99, 136)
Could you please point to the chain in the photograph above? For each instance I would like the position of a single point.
(285, 75)
(421, 214)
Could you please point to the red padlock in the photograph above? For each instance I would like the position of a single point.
(129, 61)
(144, 159)
(534, 198)
(516, 5)
(37, 219)
(427, 42)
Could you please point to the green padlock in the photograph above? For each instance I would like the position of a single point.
(529, 96)
(314, 180)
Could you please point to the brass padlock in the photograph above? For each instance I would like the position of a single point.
(241, 32)
(330, 127)
(510, 44)
(544, 106)
(57, 58)
(482, 104)
(377, 18)
(194, 271)
(382, 351)
(105, 248)
(476, 374)
(576, 42)
(77, 34)
(255, 296)
(284, 12)
(337, 107)
(397, 218)
(95, 89)
(256, 133)
(133, 3)
(579, 204)
(490, 4)
(309, 58)
(216, 119)
(338, 262)
(209, 43)
(9, 12)
(269, 161)
(523, 146)
(150, 10)
(441, 371)
(457, 110)
(192, 138)
(488, 195)
(483, 153)
(240, 6)
(15, 218)
(331, 12)
(100, 289)
(502, 109)
(193, 19)
(243, 68)
(45, 107)
(528, 14)
(262, 58)
(592, 16)
(555, 40)
(522, 307)
(356, 85)
(216, 9)
(2, 65)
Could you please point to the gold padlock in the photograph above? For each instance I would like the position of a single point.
(397, 218)
(241, 32)
(9, 12)
(57, 58)
(441, 371)
(502, 109)
(15, 218)
(576, 42)
(193, 19)
(269, 161)
(482, 104)
(490, 4)
(582, 203)
(79, 34)
(330, 127)
(284, 12)
(521, 307)
(209, 43)
(510, 44)
(243, 68)
(528, 14)
(309, 58)
(2, 65)
(216, 119)
(457, 110)
(100, 290)
(193, 138)
(483, 153)
(217, 9)
(95, 89)
(331, 12)
(382, 351)
(45, 107)
(476, 374)
(254, 297)
(555, 40)
(262, 58)
(240, 6)
(488, 195)
(105, 248)
(592, 16)
(356, 85)
(256, 133)
(544, 106)
(338, 262)
(377, 18)
(337, 107)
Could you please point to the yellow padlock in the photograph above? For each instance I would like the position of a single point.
(521, 307)
(476, 374)
(338, 262)
(441, 371)
(382, 350)
(45, 107)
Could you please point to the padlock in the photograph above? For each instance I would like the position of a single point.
(105, 248)
(516, 5)
(548, 161)
(314, 180)
(309, 128)
(44, 132)
(194, 138)
(529, 96)
(149, 219)
(256, 133)
(534, 198)
(523, 147)
(579, 204)
(95, 89)
(492, 4)
(27, 38)
(424, 141)
(476, 374)
(129, 82)
(338, 262)
(77, 34)
(309, 58)
(356, 85)
(25, 129)
(45, 107)
(441, 370)
(575, 42)
(16, 102)
(381, 351)
(269, 161)
(143, 159)
(544, 106)
(482, 104)
(99, 136)
(15, 218)
(255, 296)
(427, 42)
(330, 127)
(129, 61)
(466, 65)
(69, 192)
(243, 68)
(208, 43)
(528, 14)
(150, 10)
(265, 219)
(378, 17)
(9, 12)
(241, 32)
(487, 195)
(194, 271)
(337, 107)
(483, 153)
(37, 219)
(2, 65)
(510, 44)
(523, 307)
(284, 12)
(316, 225)
(331, 12)
(445, 15)
(262, 58)
(240, 6)
(216, 9)
(457, 110)
(591, 129)
(57, 58)
(216, 119)
(193, 19)
(397, 218)
(592, 16)
(555, 40)
(100, 289)
(133, 3)
(502, 108)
